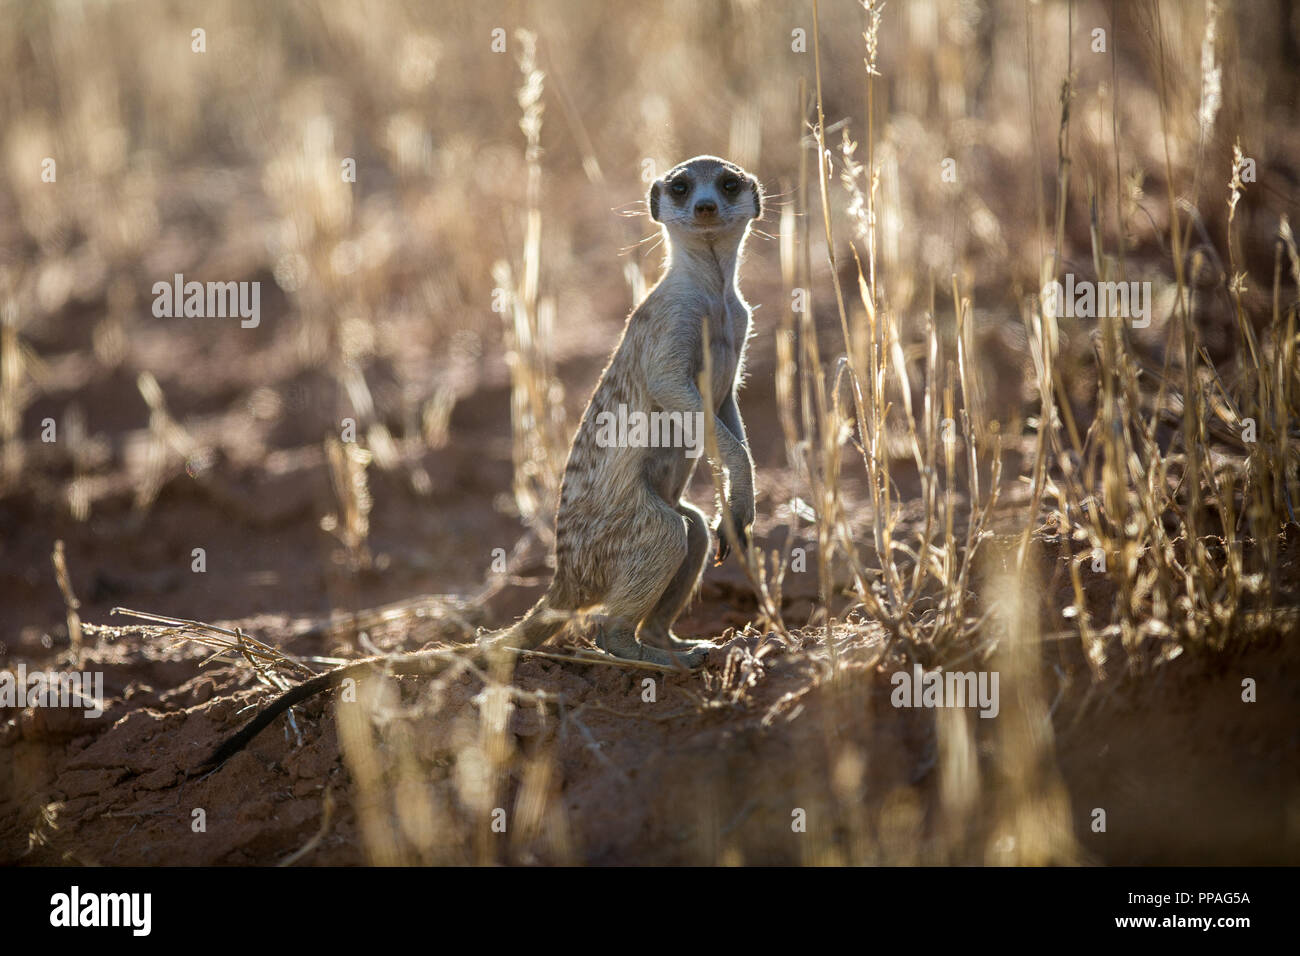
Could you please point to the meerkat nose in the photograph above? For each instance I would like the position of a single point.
(705, 207)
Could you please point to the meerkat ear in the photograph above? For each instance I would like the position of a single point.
(757, 190)
(653, 201)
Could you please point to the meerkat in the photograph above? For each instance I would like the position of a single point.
(630, 550)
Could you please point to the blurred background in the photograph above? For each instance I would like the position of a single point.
(443, 205)
(377, 295)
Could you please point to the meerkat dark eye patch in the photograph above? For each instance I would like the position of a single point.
(730, 184)
(680, 186)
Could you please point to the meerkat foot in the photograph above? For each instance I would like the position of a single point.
(693, 654)
(619, 639)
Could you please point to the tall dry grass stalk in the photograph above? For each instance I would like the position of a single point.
(348, 462)
(910, 566)
(13, 394)
(536, 396)
(1187, 538)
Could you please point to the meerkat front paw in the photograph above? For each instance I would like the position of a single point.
(744, 526)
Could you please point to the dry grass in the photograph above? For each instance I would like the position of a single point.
(953, 441)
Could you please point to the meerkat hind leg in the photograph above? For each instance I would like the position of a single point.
(649, 565)
(657, 627)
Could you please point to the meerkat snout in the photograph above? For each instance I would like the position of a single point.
(706, 193)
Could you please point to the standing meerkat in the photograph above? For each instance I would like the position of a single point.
(630, 550)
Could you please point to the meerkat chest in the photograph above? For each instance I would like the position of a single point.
(728, 332)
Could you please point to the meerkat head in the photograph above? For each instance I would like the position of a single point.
(706, 198)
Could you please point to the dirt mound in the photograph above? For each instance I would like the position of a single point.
(760, 759)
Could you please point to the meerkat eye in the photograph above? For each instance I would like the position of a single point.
(731, 185)
(679, 186)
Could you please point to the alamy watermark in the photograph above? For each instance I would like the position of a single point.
(130, 910)
(634, 429)
(1085, 299)
(946, 689)
(213, 300)
(77, 689)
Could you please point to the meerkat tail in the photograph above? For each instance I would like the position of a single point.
(536, 627)
(419, 663)
(540, 623)
(294, 695)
